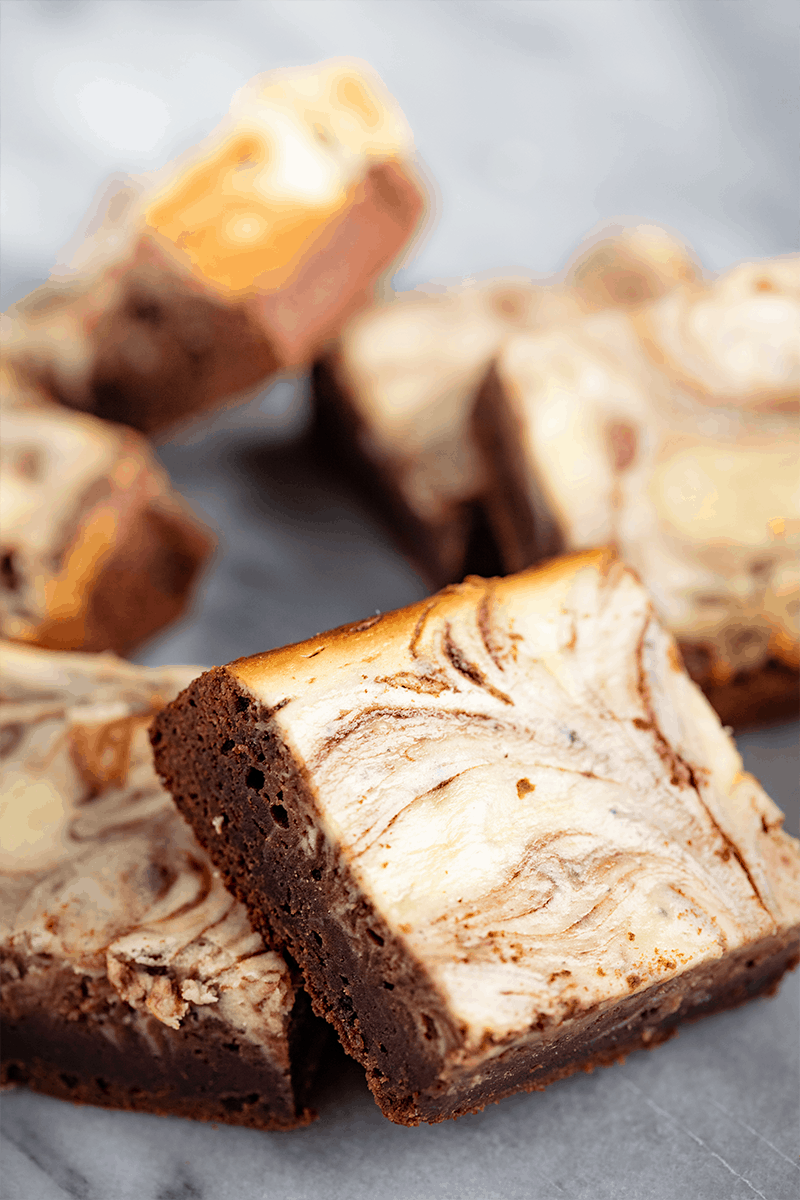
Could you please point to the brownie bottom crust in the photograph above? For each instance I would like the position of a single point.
(219, 751)
(110, 1057)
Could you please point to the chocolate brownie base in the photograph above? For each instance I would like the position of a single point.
(750, 699)
(215, 748)
(525, 529)
(146, 582)
(158, 350)
(200, 1071)
(443, 551)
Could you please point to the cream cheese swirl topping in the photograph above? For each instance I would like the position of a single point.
(98, 872)
(531, 791)
(673, 434)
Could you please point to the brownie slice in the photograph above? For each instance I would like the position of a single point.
(97, 549)
(130, 977)
(242, 258)
(393, 401)
(501, 831)
(671, 433)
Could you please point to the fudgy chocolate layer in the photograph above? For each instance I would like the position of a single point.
(764, 696)
(443, 552)
(642, 1021)
(526, 532)
(247, 801)
(94, 1050)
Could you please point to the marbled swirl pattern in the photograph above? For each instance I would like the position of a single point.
(100, 876)
(671, 432)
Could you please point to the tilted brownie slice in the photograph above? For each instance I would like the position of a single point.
(241, 258)
(502, 832)
(130, 977)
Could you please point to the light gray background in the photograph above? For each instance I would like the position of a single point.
(536, 120)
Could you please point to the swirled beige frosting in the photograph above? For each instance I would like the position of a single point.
(532, 793)
(238, 259)
(621, 265)
(672, 433)
(99, 875)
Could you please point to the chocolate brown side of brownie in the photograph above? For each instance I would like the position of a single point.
(526, 533)
(163, 353)
(217, 751)
(217, 766)
(158, 349)
(749, 699)
(445, 551)
(85, 1047)
(146, 583)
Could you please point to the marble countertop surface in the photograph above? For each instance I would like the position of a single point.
(538, 120)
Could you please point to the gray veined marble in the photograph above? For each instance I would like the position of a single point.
(537, 119)
(710, 1115)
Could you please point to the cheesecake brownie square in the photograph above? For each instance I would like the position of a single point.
(393, 400)
(243, 257)
(97, 549)
(130, 977)
(669, 431)
(501, 831)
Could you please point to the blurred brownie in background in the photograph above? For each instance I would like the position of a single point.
(130, 977)
(241, 258)
(97, 549)
(395, 398)
(669, 431)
